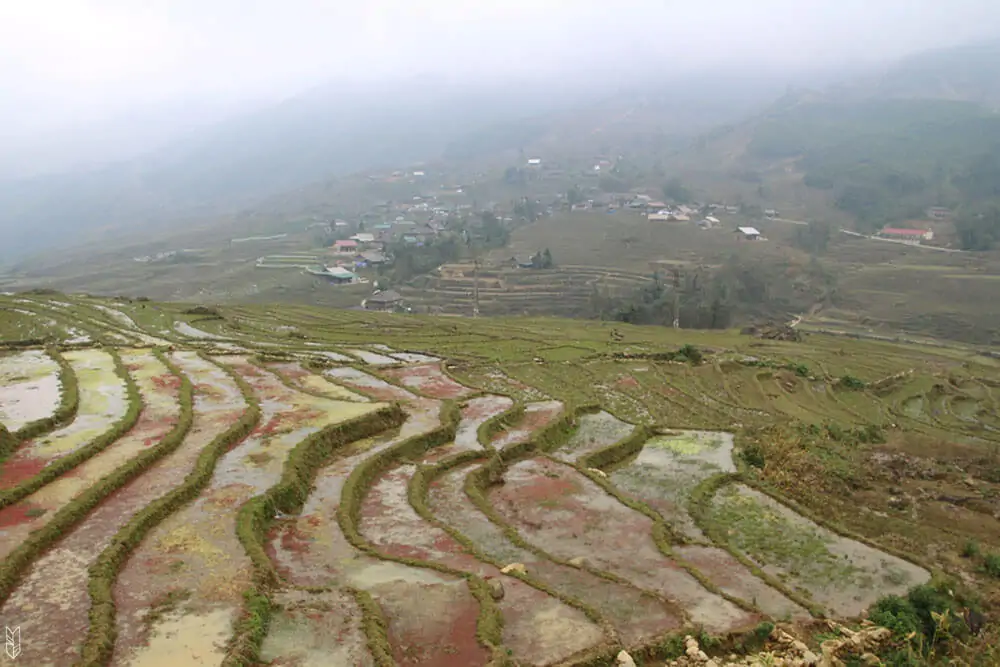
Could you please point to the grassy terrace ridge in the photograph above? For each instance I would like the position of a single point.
(856, 446)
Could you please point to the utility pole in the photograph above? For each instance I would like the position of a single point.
(475, 286)
(677, 299)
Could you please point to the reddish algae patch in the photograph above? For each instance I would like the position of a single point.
(51, 602)
(536, 416)
(538, 628)
(429, 380)
(589, 523)
(157, 418)
(367, 384)
(637, 617)
(194, 550)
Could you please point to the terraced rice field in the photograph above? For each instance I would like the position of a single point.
(236, 496)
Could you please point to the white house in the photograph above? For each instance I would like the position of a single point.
(534, 161)
(749, 233)
(363, 237)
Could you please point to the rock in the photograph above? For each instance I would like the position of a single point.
(519, 568)
(579, 561)
(623, 659)
(597, 471)
(810, 658)
(800, 647)
(496, 588)
(870, 659)
(898, 502)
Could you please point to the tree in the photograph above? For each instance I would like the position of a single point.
(574, 195)
(527, 209)
(979, 229)
(612, 184)
(514, 176)
(813, 238)
(675, 191)
(547, 259)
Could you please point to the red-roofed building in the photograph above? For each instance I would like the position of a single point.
(916, 235)
(345, 247)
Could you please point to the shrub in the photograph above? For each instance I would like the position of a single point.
(897, 614)
(992, 565)
(201, 310)
(753, 455)
(851, 382)
(690, 353)
(971, 549)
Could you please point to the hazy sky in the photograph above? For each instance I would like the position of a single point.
(65, 60)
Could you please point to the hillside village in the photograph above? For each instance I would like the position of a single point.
(448, 222)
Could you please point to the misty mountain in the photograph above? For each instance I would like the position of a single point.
(343, 128)
(884, 147)
(323, 132)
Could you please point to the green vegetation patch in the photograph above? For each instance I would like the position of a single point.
(769, 537)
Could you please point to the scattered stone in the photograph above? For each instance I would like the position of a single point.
(624, 660)
(496, 588)
(519, 568)
(579, 561)
(598, 472)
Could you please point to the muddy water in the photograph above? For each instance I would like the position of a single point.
(51, 602)
(431, 617)
(669, 467)
(157, 386)
(429, 380)
(102, 403)
(29, 388)
(569, 516)
(335, 356)
(373, 358)
(538, 628)
(414, 358)
(310, 382)
(369, 385)
(536, 416)
(186, 329)
(733, 578)
(316, 630)
(841, 574)
(637, 618)
(594, 431)
(196, 549)
(474, 413)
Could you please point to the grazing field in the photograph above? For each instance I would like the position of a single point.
(199, 487)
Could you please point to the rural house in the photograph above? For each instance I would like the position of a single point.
(373, 257)
(749, 233)
(363, 238)
(347, 247)
(912, 235)
(340, 276)
(385, 301)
